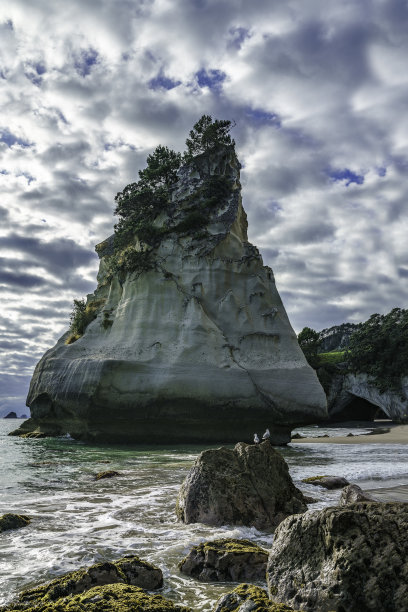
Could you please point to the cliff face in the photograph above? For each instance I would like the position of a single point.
(195, 346)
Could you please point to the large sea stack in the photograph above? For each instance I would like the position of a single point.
(190, 341)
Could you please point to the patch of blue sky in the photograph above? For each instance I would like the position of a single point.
(346, 175)
(212, 79)
(381, 171)
(29, 177)
(10, 139)
(163, 82)
(261, 117)
(85, 61)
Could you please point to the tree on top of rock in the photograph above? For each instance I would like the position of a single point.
(208, 134)
(161, 169)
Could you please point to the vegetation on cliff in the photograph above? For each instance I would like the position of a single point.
(378, 347)
(140, 203)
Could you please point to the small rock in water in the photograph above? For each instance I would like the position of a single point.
(13, 521)
(327, 482)
(107, 474)
(225, 560)
(249, 598)
(353, 493)
(11, 415)
(297, 436)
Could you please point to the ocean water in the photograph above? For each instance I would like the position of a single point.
(77, 521)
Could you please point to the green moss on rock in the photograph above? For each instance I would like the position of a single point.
(13, 521)
(225, 560)
(128, 570)
(107, 598)
(107, 474)
(249, 597)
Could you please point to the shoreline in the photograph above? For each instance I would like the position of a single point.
(398, 434)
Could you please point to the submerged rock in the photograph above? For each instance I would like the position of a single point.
(128, 570)
(353, 493)
(107, 474)
(327, 482)
(107, 598)
(225, 560)
(249, 485)
(249, 598)
(13, 521)
(352, 558)
(192, 346)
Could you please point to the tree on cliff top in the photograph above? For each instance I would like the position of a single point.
(207, 134)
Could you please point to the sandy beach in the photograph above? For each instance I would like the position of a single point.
(397, 434)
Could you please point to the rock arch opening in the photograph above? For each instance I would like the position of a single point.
(359, 409)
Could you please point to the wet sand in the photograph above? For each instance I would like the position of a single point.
(398, 434)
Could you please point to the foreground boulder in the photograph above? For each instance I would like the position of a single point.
(13, 521)
(249, 485)
(249, 598)
(187, 338)
(226, 560)
(352, 494)
(128, 570)
(108, 598)
(327, 482)
(352, 559)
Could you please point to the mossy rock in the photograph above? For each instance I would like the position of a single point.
(107, 474)
(247, 597)
(13, 521)
(107, 598)
(128, 570)
(225, 560)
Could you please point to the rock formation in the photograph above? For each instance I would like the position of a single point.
(346, 388)
(226, 560)
(350, 558)
(107, 598)
(353, 493)
(249, 598)
(327, 482)
(249, 485)
(11, 415)
(129, 570)
(192, 345)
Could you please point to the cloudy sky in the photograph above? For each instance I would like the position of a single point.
(318, 91)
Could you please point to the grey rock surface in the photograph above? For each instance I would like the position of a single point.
(353, 493)
(226, 560)
(196, 349)
(249, 485)
(353, 559)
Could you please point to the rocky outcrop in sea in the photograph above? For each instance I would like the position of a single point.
(192, 345)
(248, 485)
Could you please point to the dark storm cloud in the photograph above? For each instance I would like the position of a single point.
(21, 280)
(58, 255)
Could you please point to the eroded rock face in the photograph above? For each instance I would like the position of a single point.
(346, 388)
(352, 559)
(249, 485)
(249, 598)
(226, 560)
(107, 598)
(198, 348)
(129, 570)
